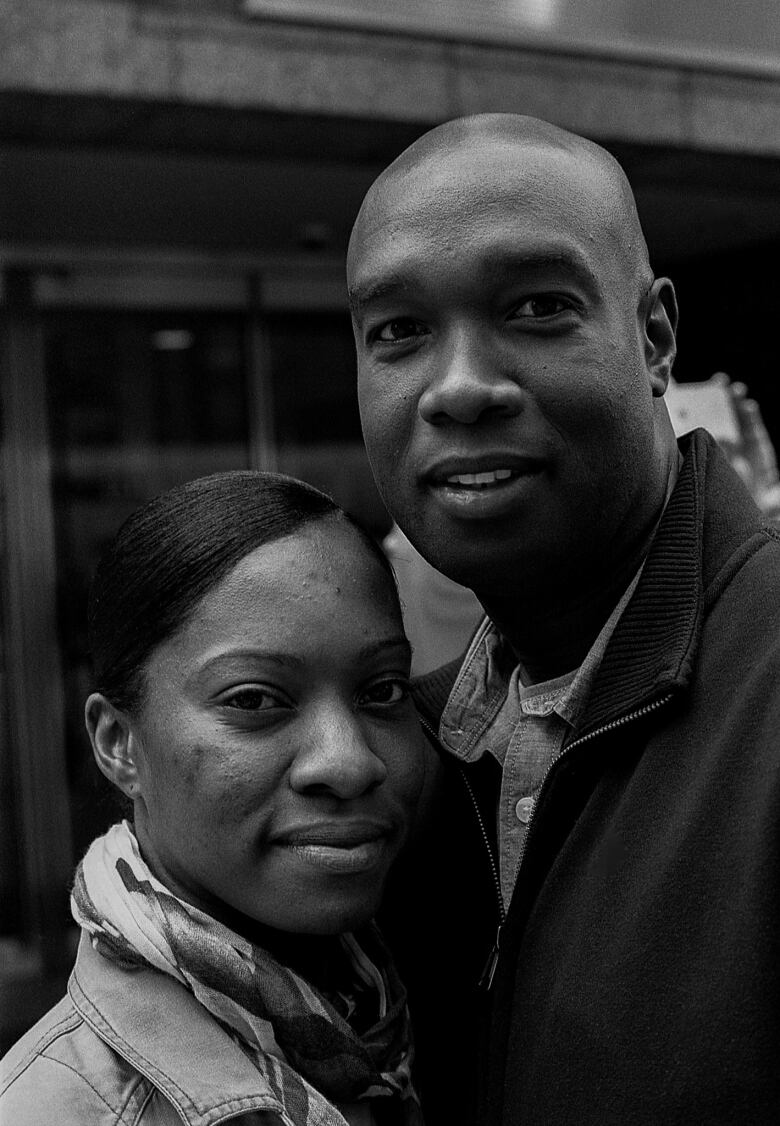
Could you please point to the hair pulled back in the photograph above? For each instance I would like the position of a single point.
(170, 552)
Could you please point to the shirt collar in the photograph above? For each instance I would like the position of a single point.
(484, 679)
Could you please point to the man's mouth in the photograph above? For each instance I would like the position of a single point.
(481, 470)
(485, 487)
(480, 480)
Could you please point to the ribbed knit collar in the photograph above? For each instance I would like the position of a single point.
(651, 651)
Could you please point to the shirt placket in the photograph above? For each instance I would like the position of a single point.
(537, 738)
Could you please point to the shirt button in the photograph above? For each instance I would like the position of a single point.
(536, 707)
(524, 809)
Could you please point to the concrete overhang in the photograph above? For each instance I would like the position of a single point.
(222, 55)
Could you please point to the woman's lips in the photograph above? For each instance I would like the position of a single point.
(339, 848)
(342, 858)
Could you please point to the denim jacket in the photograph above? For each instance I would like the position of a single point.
(130, 1047)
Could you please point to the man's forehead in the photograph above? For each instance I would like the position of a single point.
(501, 187)
(473, 159)
(468, 181)
(546, 200)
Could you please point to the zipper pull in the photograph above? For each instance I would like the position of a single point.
(489, 972)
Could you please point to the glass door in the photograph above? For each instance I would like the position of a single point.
(115, 385)
(138, 402)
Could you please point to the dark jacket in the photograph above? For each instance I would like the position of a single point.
(638, 979)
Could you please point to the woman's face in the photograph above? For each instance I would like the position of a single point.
(278, 755)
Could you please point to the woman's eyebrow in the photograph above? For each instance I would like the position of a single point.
(230, 657)
(233, 656)
(377, 648)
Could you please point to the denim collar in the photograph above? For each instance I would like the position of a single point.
(155, 1024)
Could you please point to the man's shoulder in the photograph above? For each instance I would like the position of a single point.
(738, 548)
(743, 608)
(431, 691)
(750, 574)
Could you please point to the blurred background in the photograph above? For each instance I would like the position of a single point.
(178, 179)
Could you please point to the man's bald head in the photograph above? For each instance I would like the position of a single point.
(507, 322)
(523, 141)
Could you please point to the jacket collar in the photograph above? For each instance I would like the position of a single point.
(652, 651)
(155, 1024)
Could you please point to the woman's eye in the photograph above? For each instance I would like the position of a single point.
(402, 328)
(541, 306)
(385, 693)
(251, 700)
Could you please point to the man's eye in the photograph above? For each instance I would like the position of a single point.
(385, 693)
(251, 699)
(402, 328)
(540, 307)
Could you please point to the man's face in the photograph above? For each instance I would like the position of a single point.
(504, 383)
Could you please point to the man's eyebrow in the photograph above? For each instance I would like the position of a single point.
(366, 293)
(538, 260)
(497, 261)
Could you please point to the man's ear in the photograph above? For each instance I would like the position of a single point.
(113, 743)
(660, 327)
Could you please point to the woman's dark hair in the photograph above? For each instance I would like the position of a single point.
(170, 552)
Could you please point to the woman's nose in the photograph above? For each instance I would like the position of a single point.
(337, 760)
(469, 378)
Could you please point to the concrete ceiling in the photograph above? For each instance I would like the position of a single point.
(92, 173)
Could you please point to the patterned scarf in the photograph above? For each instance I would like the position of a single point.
(294, 1035)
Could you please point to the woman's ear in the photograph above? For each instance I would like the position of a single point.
(113, 743)
(660, 333)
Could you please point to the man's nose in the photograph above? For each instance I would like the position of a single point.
(469, 378)
(336, 758)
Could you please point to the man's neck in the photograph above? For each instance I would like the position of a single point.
(552, 626)
(552, 637)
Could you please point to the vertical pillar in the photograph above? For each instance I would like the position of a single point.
(36, 739)
(263, 452)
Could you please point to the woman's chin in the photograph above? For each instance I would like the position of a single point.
(333, 919)
(303, 915)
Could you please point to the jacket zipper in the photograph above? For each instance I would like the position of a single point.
(621, 721)
(488, 973)
(486, 978)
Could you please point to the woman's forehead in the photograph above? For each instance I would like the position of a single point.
(315, 595)
(325, 558)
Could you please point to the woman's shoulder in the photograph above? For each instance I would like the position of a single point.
(61, 1072)
(74, 1068)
